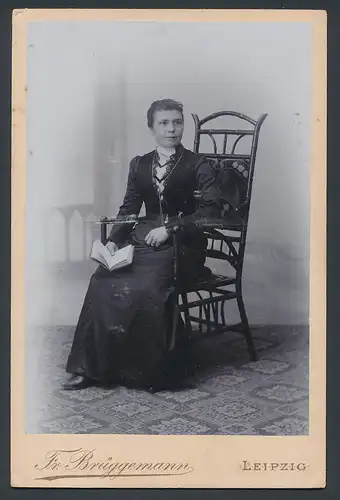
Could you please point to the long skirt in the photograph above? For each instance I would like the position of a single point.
(122, 327)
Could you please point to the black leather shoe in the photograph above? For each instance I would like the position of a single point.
(77, 382)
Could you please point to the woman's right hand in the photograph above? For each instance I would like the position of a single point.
(112, 247)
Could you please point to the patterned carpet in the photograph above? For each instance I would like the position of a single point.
(227, 394)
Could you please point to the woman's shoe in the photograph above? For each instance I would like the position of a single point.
(77, 382)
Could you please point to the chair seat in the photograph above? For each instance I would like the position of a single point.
(231, 223)
(207, 282)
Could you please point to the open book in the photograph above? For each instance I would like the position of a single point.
(121, 258)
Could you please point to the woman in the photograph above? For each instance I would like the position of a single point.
(121, 332)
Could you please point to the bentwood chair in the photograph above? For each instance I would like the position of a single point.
(226, 237)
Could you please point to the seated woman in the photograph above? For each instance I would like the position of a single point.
(121, 333)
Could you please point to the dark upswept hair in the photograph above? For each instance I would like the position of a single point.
(163, 105)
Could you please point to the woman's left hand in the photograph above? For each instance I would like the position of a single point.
(157, 236)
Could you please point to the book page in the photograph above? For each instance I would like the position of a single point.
(100, 253)
(128, 258)
(119, 258)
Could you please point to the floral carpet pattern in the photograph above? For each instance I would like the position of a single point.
(226, 395)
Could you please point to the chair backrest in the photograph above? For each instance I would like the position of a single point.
(234, 170)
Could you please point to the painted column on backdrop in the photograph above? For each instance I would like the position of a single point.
(110, 131)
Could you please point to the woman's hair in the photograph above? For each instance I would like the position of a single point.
(163, 105)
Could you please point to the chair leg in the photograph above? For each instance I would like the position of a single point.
(186, 314)
(174, 323)
(247, 331)
(222, 312)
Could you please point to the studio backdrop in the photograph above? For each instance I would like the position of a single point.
(89, 86)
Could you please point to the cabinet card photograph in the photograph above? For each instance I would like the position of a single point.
(168, 249)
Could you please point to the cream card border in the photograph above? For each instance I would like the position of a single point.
(197, 461)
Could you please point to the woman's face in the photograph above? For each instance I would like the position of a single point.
(167, 128)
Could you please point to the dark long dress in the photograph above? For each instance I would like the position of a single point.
(121, 330)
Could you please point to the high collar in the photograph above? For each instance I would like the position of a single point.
(165, 152)
(177, 150)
